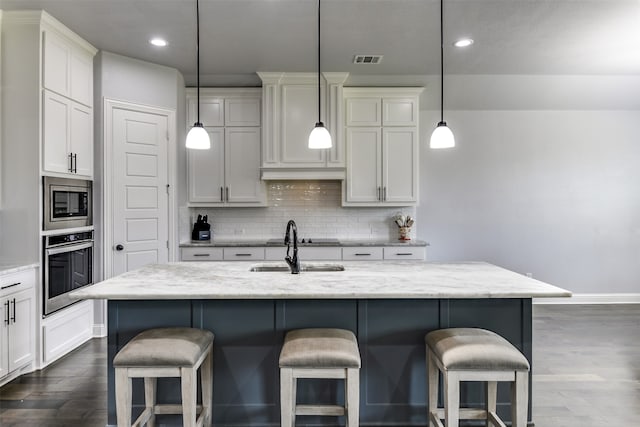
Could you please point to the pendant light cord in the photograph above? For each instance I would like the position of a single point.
(319, 119)
(441, 63)
(198, 53)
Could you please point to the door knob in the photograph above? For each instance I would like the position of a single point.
(119, 247)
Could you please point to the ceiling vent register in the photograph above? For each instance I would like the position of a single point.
(367, 59)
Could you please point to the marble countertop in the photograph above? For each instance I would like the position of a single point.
(272, 243)
(9, 267)
(359, 280)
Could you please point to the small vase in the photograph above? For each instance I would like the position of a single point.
(404, 233)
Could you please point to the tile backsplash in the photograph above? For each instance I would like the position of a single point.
(314, 205)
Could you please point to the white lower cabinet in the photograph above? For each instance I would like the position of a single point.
(17, 311)
(305, 253)
(362, 253)
(201, 254)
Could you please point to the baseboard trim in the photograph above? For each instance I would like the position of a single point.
(592, 299)
(99, 330)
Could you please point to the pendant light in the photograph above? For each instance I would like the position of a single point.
(198, 138)
(319, 137)
(442, 137)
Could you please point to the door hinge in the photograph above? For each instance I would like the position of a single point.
(167, 188)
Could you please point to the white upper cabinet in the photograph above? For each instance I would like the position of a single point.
(67, 136)
(290, 112)
(67, 68)
(381, 130)
(67, 101)
(228, 174)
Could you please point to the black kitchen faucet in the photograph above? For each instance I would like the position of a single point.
(294, 262)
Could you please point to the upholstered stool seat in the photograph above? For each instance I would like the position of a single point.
(471, 354)
(319, 353)
(166, 352)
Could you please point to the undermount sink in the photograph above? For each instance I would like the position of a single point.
(304, 267)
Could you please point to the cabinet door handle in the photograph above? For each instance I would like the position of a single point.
(14, 310)
(378, 193)
(11, 285)
(243, 254)
(6, 309)
(384, 194)
(70, 162)
(75, 163)
(363, 254)
(201, 254)
(404, 253)
(221, 194)
(227, 194)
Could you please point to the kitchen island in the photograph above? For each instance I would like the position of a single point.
(389, 306)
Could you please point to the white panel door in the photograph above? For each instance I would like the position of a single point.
(242, 165)
(57, 57)
(205, 169)
(400, 165)
(299, 116)
(364, 180)
(21, 345)
(139, 186)
(81, 139)
(55, 134)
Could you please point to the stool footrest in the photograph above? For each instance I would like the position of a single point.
(468, 414)
(170, 409)
(330, 410)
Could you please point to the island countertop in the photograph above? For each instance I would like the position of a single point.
(359, 280)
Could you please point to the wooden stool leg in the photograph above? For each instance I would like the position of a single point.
(189, 392)
(353, 397)
(206, 381)
(432, 382)
(287, 396)
(451, 399)
(150, 399)
(520, 399)
(492, 400)
(123, 397)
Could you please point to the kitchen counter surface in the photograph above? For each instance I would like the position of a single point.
(359, 280)
(280, 242)
(9, 267)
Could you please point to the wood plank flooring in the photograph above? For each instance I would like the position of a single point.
(586, 374)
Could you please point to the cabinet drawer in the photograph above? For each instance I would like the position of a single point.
(16, 282)
(201, 254)
(409, 252)
(244, 254)
(364, 253)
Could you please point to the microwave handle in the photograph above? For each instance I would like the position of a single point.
(69, 248)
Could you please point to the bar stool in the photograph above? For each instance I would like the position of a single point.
(319, 353)
(166, 352)
(470, 354)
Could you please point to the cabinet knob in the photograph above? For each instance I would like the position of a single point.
(119, 247)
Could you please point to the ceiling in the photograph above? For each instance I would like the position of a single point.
(240, 37)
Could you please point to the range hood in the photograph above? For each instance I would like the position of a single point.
(290, 102)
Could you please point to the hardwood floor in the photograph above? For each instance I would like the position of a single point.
(586, 374)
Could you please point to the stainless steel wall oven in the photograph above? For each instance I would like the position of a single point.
(67, 203)
(68, 265)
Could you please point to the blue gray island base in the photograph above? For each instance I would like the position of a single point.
(249, 335)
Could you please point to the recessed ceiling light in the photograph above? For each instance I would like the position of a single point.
(463, 43)
(158, 42)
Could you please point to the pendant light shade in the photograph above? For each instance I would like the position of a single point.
(319, 138)
(198, 138)
(442, 137)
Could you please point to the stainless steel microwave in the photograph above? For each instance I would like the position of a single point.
(67, 203)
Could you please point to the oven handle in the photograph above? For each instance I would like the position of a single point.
(69, 248)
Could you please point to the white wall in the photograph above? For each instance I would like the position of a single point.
(126, 79)
(552, 191)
